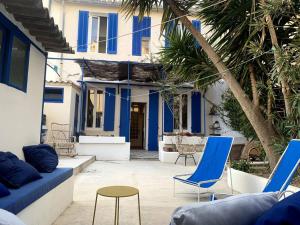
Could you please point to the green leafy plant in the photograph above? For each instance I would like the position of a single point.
(242, 165)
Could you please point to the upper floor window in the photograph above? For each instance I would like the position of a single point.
(95, 108)
(145, 46)
(98, 34)
(180, 112)
(54, 95)
(14, 57)
(18, 64)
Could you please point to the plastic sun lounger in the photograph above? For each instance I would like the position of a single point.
(285, 169)
(211, 166)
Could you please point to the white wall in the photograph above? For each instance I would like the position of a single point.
(61, 112)
(20, 115)
(214, 94)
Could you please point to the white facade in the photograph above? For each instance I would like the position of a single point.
(20, 115)
(66, 14)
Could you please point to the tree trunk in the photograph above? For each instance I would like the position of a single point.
(269, 104)
(255, 117)
(255, 95)
(284, 84)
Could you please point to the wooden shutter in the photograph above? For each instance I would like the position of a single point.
(196, 112)
(112, 46)
(153, 121)
(109, 110)
(83, 25)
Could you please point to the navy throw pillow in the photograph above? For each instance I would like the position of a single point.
(284, 212)
(3, 191)
(14, 172)
(42, 157)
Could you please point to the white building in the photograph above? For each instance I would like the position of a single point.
(27, 34)
(24, 43)
(113, 64)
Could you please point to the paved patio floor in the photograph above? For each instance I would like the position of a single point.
(154, 180)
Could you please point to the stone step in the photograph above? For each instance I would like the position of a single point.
(78, 163)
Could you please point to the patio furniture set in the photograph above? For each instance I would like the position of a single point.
(206, 174)
(217, 150)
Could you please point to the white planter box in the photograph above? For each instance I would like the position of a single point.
(104, 148)
(101, 140)
(248, 183)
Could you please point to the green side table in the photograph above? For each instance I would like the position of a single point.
(118, 192)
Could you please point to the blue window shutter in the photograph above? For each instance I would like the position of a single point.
(169, 28)
(146, 26)
(83, 108)
(109, 110)
(197, 25)
(168, 116)
(196, 112)
(112, 46)
(125, 114)
(83, 25)
(153, 121)
(137, 37)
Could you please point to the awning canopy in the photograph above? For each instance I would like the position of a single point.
(36, 19)
(119, 71)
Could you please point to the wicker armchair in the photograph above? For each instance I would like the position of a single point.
(185, 150)
(62, 140)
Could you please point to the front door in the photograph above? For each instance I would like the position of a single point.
(137, 125)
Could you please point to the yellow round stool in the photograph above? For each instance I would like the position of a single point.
(118, 192)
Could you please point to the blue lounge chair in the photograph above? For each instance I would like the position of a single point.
(211, 167)
(282, 175)
(284, 171)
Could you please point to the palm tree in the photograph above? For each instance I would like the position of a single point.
(179, 9)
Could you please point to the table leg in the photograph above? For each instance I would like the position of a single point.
(139, 206)
(118, 208)
(95, 209)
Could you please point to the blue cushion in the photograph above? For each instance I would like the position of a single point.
(15, 173)
(29, 193)
(42, 157)
(3, 191)
(285, 212)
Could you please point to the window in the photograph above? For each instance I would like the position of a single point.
(18, 65)
(95, 108)
(14, 56)
(180, 111)
(145, 46)
(54, 95)
(98, 34)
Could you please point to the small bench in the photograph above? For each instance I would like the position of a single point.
(42, 201)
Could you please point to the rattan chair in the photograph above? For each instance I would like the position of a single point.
(62, 139)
